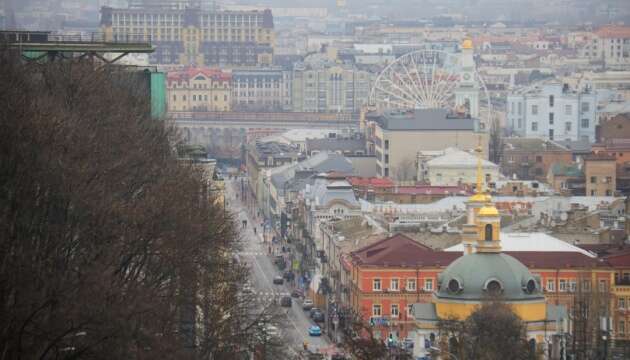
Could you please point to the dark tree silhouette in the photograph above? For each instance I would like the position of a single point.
(110, 247)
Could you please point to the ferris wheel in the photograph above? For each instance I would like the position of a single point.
(429, 79)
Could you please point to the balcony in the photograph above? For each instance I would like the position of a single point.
(622, 282)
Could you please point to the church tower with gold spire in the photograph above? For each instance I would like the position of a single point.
(467, 91)
(481, 231)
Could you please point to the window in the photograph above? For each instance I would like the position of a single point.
(376, 284)
(568, 109)
(174, 97)
(394, 311)
(608, 193)
(393, 285)
(386, 172)
(572, 285)
(538, 158)
(567, 126)
(410, 310)
(184, 97)
(586, 285)
(386, 144)
(520, 123)
(520, 108)
(488, 232)
(551, 100)
(593, 179)
(534, 126)
(551, 118)
(534, 109)
(585, 123)
(621, 327)
(608, 179)
(550, 134)
(428, 284)
(551, 285)
(225, 97)
(586, 107)
(386, 159)
(411, 284)
(376, 310)
(562, 285)
(622, 303)
(602, 285)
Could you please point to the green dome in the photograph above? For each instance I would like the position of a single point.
(478, 276)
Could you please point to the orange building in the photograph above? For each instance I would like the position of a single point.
(388, 276)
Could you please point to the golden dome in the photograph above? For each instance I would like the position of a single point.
(488, 211)
(467, 44)
(480, 198)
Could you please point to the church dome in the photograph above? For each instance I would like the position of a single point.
(488, 211)
(479, 276)
(467, 44)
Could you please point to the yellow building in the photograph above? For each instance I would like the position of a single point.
(198, 89)
(193, 36)
(484, 273)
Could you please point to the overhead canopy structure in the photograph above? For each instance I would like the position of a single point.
(39, 45)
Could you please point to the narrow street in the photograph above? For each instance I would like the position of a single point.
(255, 252)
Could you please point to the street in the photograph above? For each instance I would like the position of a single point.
(255, 253)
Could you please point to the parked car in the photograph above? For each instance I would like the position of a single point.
(307, 304)
(297, 293)
(315, 331)
(312, 311)
(278, 280)
(319, 317)
(288, 275)
(285, 301)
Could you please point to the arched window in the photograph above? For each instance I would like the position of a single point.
(488, 234)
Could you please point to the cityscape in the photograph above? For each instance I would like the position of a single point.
(272, 179)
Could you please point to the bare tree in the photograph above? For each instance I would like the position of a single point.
(110, 247)
(489, 333)
(496, 143)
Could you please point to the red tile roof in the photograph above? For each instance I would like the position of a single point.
(190, 73)
(620, 259)
(372, 181)
(396, 251)
(431, 190)
(614, 32)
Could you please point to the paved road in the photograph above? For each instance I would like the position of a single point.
(295, 324)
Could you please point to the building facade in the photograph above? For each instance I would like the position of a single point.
(399, 136)
(553, 112)
(196, 37)
(531, 159)
(600, 175)
(320, 84)
(198, 89)
(261, 89)
(609, 44)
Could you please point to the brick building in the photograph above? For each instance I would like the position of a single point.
(600, 175)
(531, 159)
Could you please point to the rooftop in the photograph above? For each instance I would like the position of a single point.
(571, 170)
(423, 119)
(372, 181)
(532, 242)
(612, 31)
(335, 144)
(532, 144)
(455, 158)
(192, 73)
(599, 157)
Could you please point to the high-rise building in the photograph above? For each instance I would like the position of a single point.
(194, 36)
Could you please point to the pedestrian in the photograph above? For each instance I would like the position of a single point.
(254, 230)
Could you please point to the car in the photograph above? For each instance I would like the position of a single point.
(314, 331)
(312, 311)
(338, 356)
(278, 280)
(297, 293)
(319, 317)
(307, 304)
(286, 301)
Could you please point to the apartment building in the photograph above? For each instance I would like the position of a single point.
(553, 112)
(610, 44)
(195, 36)
(600, 172)
(398, 137)
(261, 89)
(321, 84)
(198, 89)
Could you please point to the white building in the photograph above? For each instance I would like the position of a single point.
(610, 44)
(458, 167)
(553, 112)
